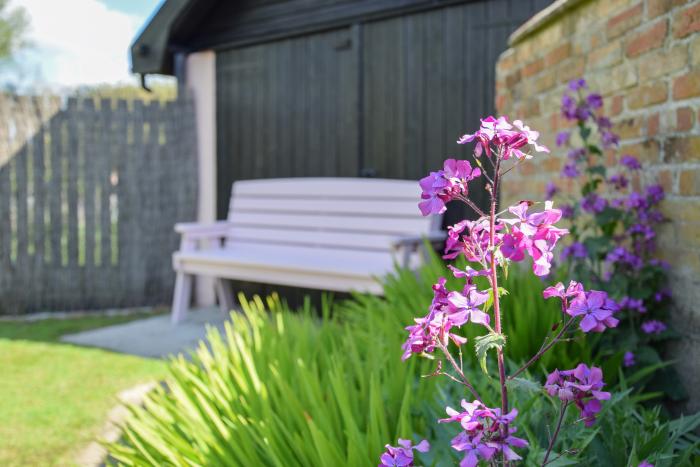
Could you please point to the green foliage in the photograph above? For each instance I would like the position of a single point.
(13, 27)
(490, 341)
(302, 388)
(283, 388)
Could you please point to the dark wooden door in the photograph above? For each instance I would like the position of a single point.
(428, 78)
(287, 108)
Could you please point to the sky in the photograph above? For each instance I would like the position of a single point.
(77, 42)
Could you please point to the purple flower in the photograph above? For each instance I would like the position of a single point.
(597, 310)
(595, 101)
(444, 185)
(551, 190)
(621, 256)
(563, 138)
(645, 463)
(662, 294)
(402, 455)
(482, 437)
(593, 203)
(653, 326)
(635, 304)
(619, 181)
(630, 162)
(567, 211)
(569, 107)
(636, 201)
(628, 360)
(655, 194)
(642, 229)
(576, 154)
(577, 84)
(570, 171)
(604, 123)
(609, 139)
(582, 386)
(575, 250)
(464, 306)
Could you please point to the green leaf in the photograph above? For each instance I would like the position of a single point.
(485, 343)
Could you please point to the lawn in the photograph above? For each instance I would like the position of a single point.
(55, 396)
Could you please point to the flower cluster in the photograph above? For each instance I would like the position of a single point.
(485, 433)
(582, 386)
(509, 139)
(488, 243)
(614, 223)
(402, 455)
(445, 185)
(533, 233)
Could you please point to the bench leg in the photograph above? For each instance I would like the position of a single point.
(224, 294)
(181, 296)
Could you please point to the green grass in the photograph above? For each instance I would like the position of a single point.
(55, 397)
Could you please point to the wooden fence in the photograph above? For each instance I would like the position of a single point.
(89, 193)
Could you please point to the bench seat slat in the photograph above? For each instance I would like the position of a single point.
(335, 222)
(379, 208)
(336, 187)
(348, 240)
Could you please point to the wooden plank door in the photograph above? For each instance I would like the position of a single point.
(287, 108)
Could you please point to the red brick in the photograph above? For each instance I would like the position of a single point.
(682, 149)
(687, 85)
(686, 21)
(665, 179)
(649, 39)
(659, 7)
(653, 125)
(626, 20)
(558, 54)
(684, 119)
(616, 105)
(605, 56)
(647, 95)
(628, 128)
(689, 182)
(533, 68)
(513, 79)
(647, 151)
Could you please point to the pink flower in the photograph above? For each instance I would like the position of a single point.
(470, 238)
(597, 310)
(402, 455)
(465, 305)
(582, 386)
(533, 233)
(574, 290)
(445, 185)
(482, 436)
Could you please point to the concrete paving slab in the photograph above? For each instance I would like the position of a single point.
(152, 337)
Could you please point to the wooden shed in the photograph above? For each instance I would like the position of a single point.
(288, 88)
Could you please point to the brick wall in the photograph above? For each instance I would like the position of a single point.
(643, 56)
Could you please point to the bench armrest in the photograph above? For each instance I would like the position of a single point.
(196, 230)
(412, 243)
(417, 240)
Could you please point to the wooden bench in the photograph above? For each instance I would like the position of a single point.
(338, 234)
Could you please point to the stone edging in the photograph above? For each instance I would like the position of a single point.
(541, 19)
(95, 454)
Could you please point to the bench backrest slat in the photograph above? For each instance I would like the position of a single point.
(344, 213)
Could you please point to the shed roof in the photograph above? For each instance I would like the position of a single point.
(177, 25)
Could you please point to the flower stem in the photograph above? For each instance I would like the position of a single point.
(562, 411)
(543, 349)
(459, 371)
(496, 298)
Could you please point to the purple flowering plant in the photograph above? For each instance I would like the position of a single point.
(613, 232)
(524, 232)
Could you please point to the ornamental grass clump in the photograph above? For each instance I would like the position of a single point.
(614, 214)
(524, 231)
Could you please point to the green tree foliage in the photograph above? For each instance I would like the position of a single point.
(14, 23)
